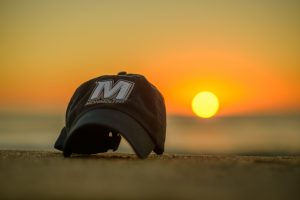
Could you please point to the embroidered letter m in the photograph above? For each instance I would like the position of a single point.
(107, 92)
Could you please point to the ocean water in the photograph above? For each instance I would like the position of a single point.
(225, 135)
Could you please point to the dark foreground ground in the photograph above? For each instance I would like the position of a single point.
(47, 175)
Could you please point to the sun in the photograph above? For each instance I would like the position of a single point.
(205, 104)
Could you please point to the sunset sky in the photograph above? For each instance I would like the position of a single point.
(246, 52)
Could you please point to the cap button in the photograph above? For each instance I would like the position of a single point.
(122, 73)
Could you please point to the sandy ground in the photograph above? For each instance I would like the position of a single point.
(47, 175)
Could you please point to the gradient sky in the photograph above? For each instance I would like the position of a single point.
(246, 52)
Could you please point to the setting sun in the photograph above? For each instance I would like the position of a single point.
(205, 104)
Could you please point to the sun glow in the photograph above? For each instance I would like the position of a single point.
(205, 104)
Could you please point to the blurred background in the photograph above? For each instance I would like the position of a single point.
(244, 52)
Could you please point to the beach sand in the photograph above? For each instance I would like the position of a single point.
(47, 175)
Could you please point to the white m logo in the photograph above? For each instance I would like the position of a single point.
(106, 92)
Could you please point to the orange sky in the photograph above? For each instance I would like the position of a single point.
(246, 53)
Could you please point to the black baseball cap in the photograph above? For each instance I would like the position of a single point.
(107, 107)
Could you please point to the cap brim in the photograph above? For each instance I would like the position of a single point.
(59, 144)
(118, 121)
